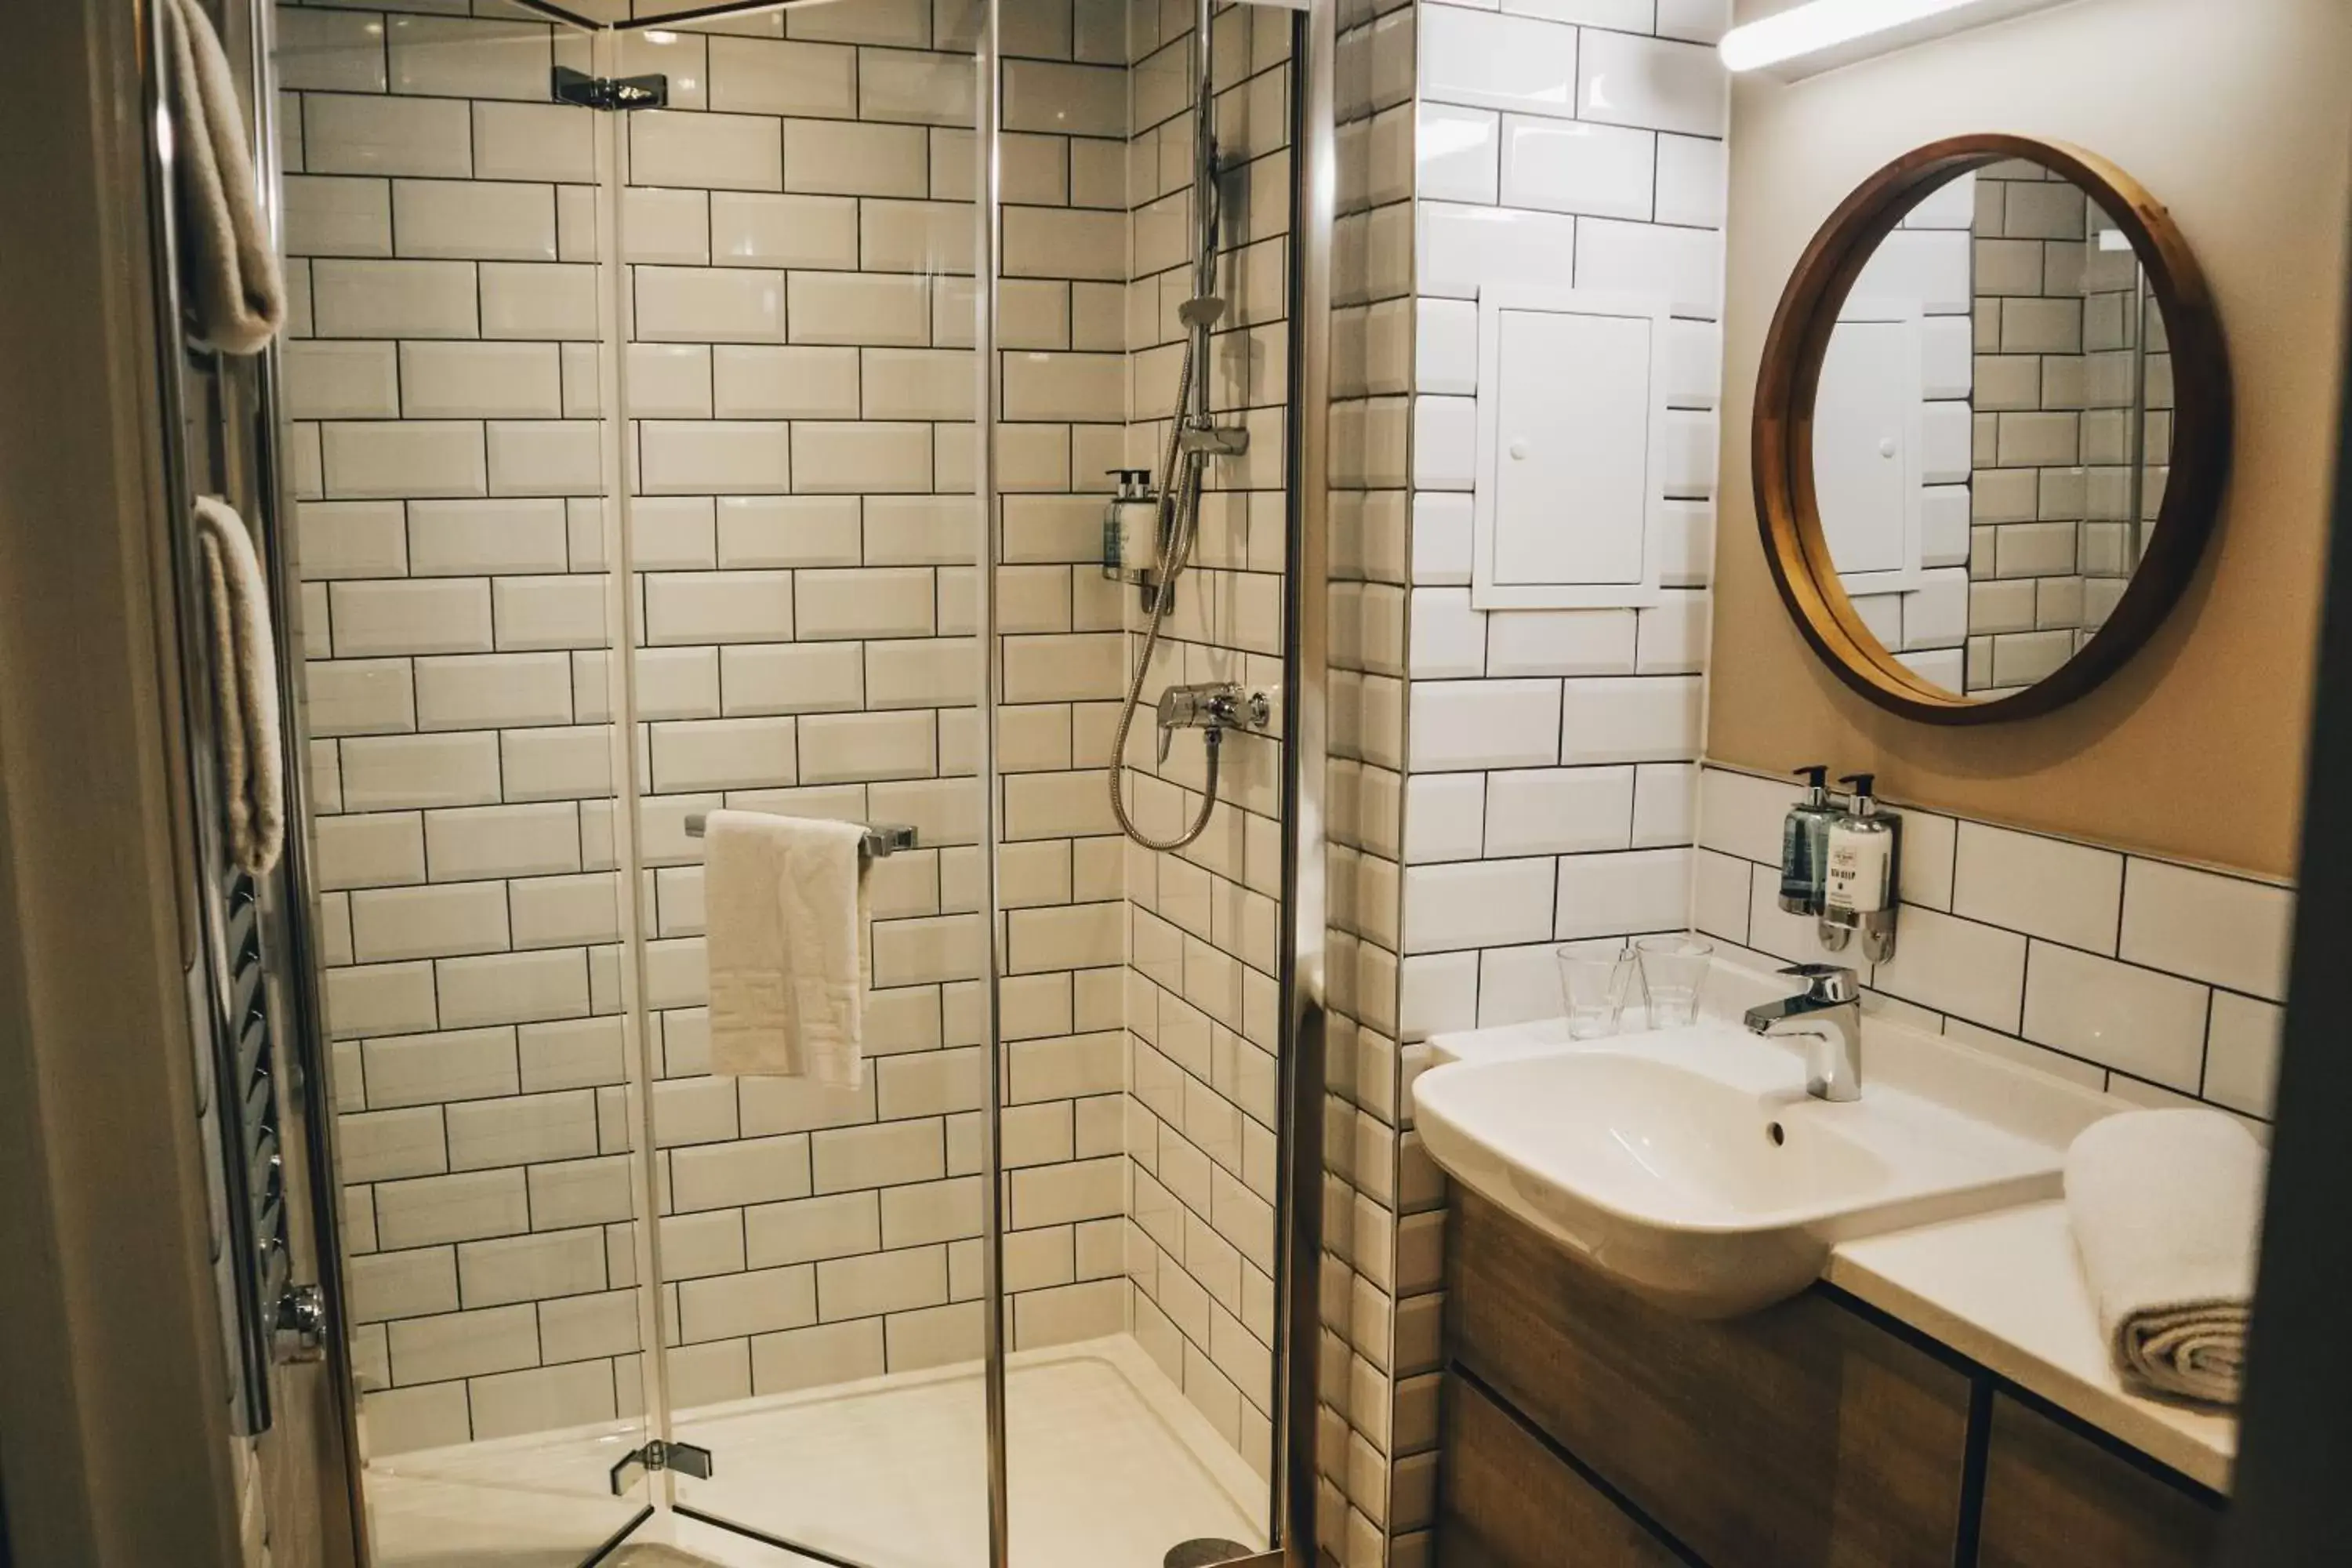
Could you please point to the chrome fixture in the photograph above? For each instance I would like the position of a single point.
(1828, 1014)
(686, 1459)
(882, 839)
(578, 88)
(299, 1334)
(1194, 437)
(1215, 706)
(249, 942)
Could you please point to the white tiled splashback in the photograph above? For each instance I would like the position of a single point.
(2156, 981)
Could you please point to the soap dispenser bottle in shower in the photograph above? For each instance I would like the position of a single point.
(1131, 543)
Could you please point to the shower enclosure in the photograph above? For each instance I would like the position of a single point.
(714, 406)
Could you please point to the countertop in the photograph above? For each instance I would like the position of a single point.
(2004, 1289)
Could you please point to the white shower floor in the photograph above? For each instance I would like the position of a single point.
(1109, 1466)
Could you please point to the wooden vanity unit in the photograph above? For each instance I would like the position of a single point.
(1586, 1428)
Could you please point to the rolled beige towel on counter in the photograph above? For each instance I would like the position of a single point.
(2167, 1210)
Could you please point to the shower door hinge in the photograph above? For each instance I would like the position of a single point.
(611, 92)
(684, 1457)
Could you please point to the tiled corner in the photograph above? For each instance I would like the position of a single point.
(1536, 783)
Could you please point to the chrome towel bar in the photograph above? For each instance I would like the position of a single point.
(884, 838)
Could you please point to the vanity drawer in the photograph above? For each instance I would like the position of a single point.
(1508, 1501)
(1800, 1437)
(2056, 1498)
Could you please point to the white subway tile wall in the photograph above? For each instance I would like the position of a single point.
(2059, 342)
(1202, 1008)
(2154, 980)
(1499, 782)
(437, 235)
(1376, 341)
(798, 228)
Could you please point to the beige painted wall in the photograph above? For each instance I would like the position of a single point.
(113, 1392)
(2235, 116)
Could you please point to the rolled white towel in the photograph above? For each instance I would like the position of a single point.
(242, 668)
(235, 289)
(2167, 1207)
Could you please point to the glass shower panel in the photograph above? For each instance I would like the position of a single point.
(442, 370)
(799, 381)
(1143, 1023)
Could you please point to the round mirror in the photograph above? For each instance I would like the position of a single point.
(1990, 428)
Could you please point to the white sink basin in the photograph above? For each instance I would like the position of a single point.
(1691, 1166)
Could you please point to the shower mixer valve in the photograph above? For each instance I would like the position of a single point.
(1215, 706)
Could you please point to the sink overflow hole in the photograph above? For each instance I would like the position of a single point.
(1775, 1133)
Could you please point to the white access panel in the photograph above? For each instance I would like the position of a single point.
(1572, 471)
(1867, 448)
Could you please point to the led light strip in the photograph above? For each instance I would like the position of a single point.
(1824, 34)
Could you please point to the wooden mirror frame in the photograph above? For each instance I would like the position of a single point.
(1788, 513)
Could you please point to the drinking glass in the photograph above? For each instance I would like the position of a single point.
(1673, 969)
(1593, 981)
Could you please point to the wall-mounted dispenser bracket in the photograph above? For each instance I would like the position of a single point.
(578, 86)
(1876, 929)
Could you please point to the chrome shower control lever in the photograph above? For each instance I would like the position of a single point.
(1213, 705)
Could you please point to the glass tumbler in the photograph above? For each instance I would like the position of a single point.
(1673, 969)
(1594, 981)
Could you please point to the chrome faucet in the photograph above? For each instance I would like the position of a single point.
(1215, 706)
(1828, 1012)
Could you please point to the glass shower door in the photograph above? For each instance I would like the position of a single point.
(443, 373)
(799, 233)
(676, 507)
(800, 384)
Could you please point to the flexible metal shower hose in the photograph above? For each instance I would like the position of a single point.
(1178, 524)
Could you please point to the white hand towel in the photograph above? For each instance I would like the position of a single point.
(235, 289)
(784, 913)
(2167, 1209)
(243, 657)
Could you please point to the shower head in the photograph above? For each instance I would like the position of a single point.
(1200, 310)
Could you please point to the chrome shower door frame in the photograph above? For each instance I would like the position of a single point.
(1314, 204)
